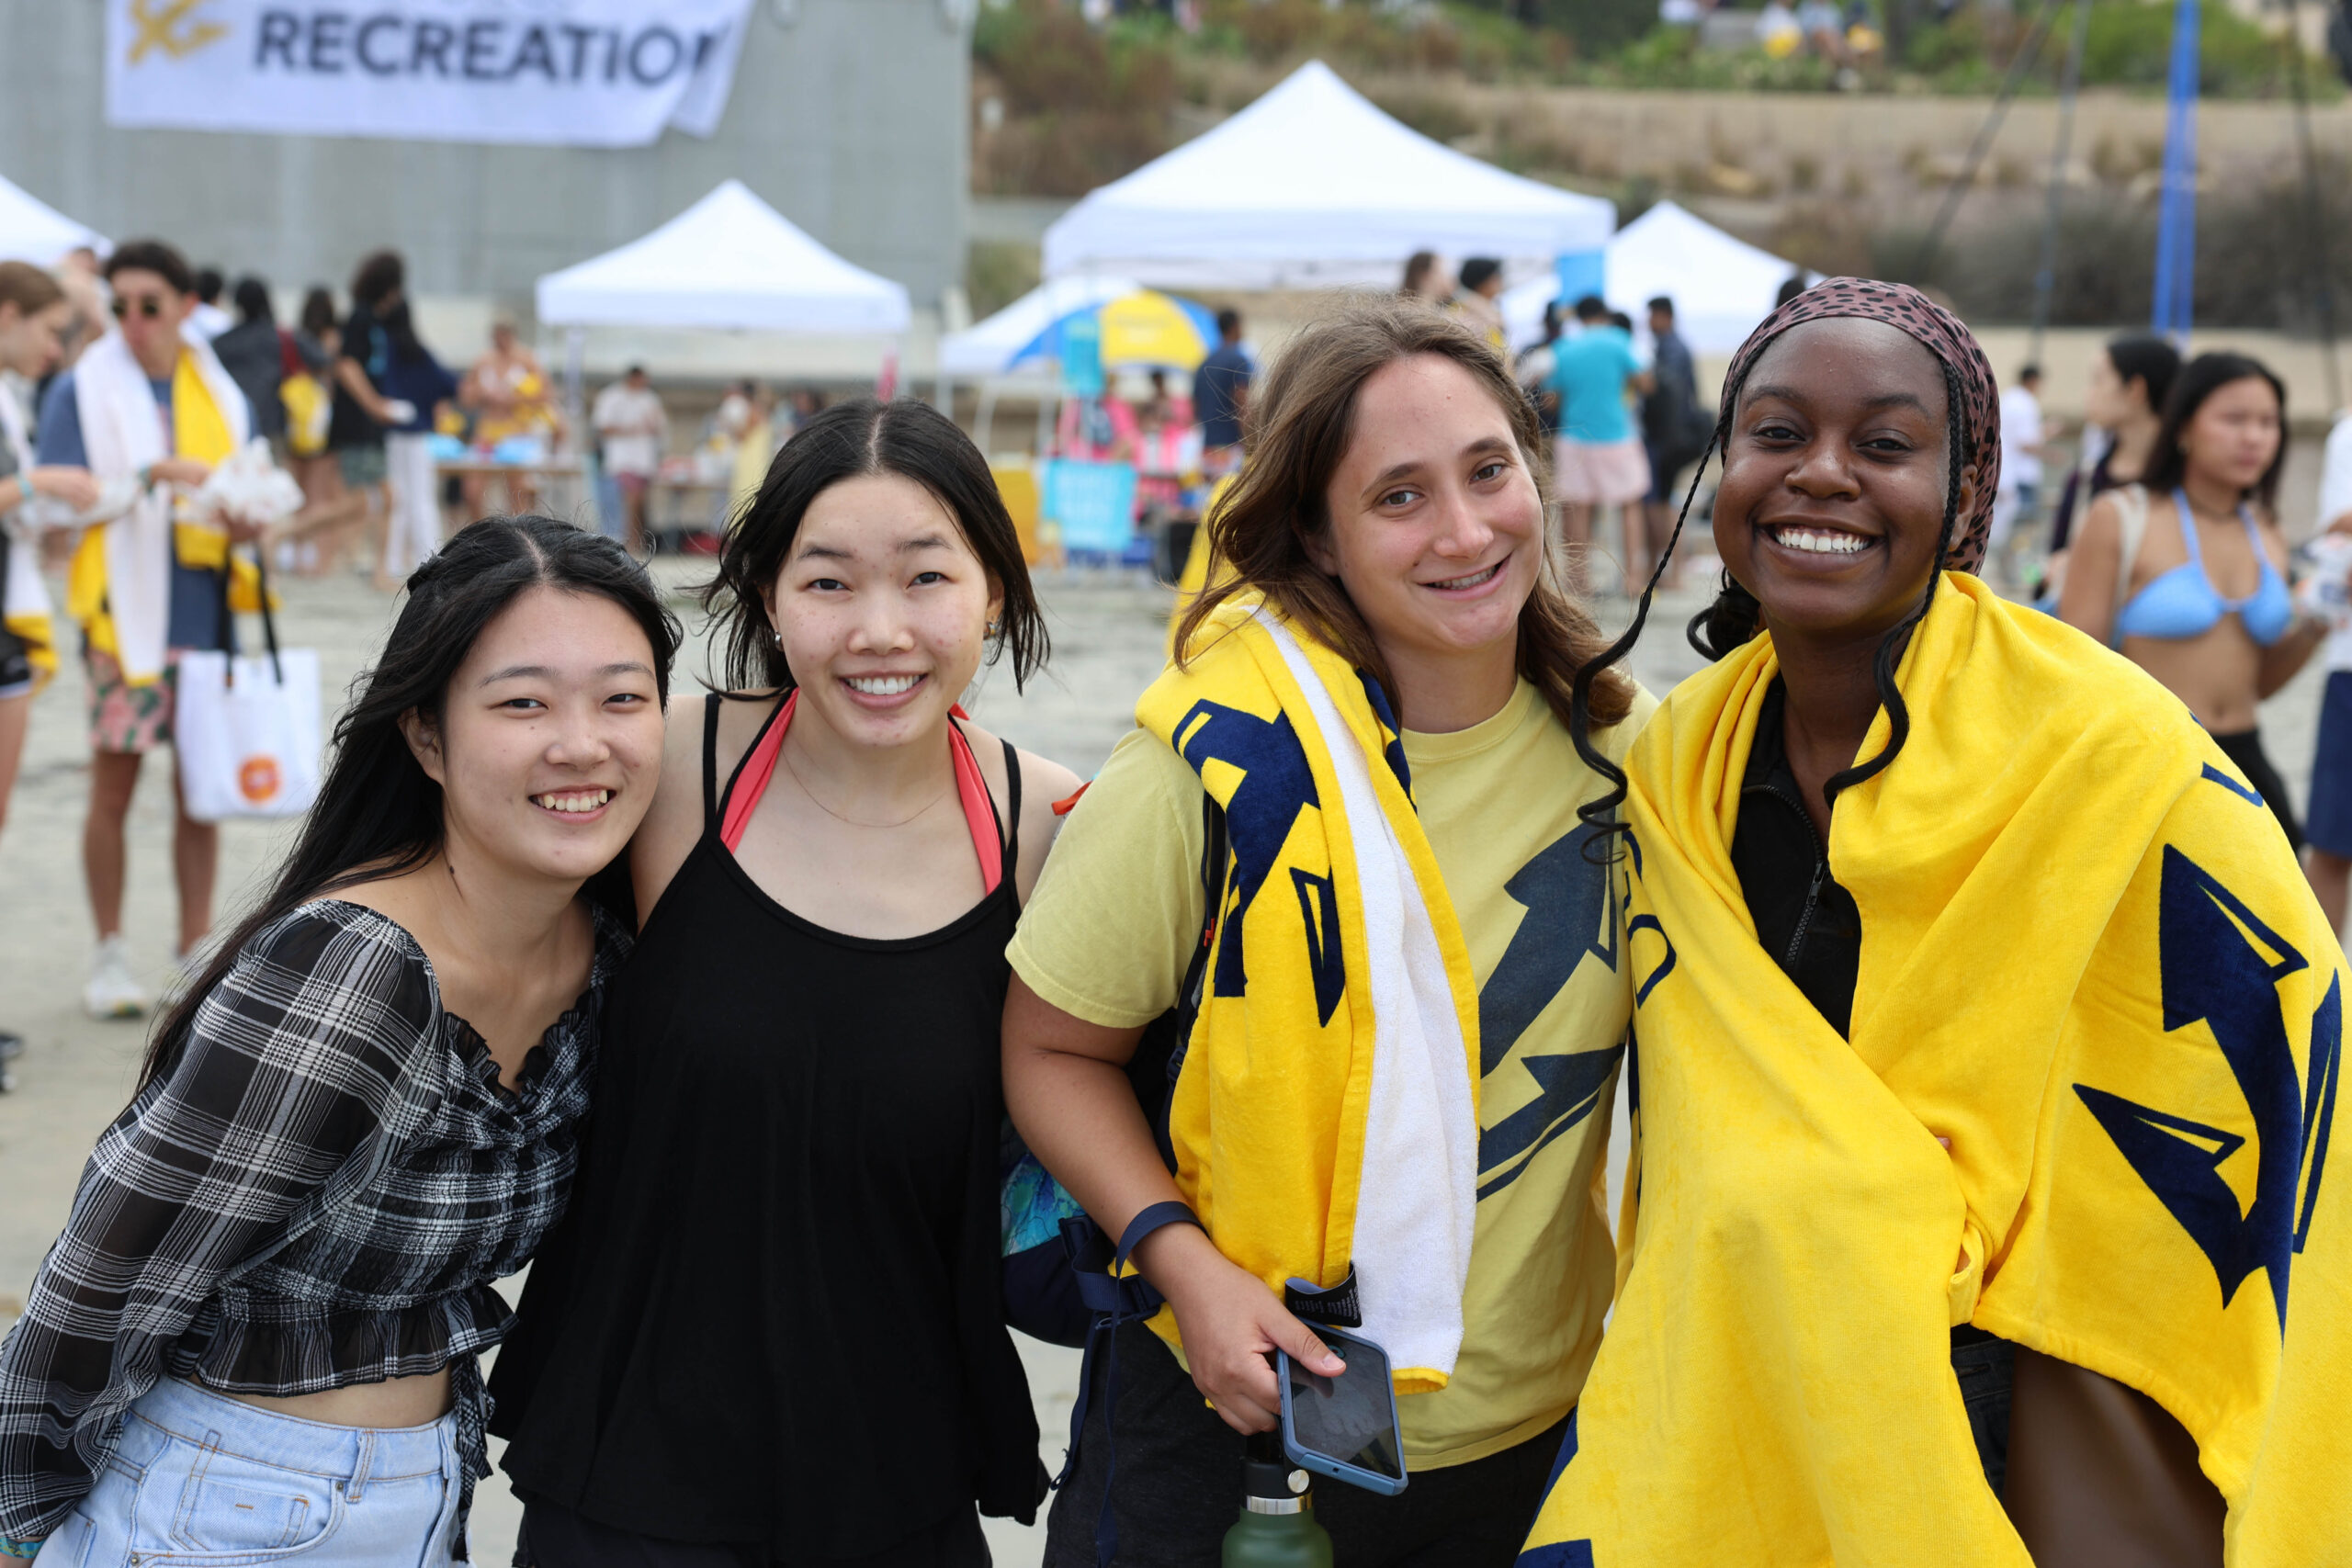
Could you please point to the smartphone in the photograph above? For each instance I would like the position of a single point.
(1345, 1427)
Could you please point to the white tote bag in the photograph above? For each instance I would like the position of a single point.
(247, 728)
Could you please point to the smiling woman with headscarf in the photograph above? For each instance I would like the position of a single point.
(1984, 1019)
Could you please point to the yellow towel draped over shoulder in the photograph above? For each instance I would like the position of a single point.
(1324, 1119)
(200, 431)
(2090, 961)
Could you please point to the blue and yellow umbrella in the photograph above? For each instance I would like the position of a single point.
(1145, 330)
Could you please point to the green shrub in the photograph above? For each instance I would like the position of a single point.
(1049, 60)
(2131, 45)
(1086, 104)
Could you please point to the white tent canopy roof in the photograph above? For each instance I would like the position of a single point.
(1720, 287)
(987, 347)
(1312, 185)
(729, 260)
(32, 231)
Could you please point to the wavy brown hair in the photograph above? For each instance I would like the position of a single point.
(1296, 429)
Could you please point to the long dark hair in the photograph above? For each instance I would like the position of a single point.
(377, 814)
(377, 275)
(1298, 431)
(848, 441)
(318, 311)
(399, 335)
(1735, 616)
(253, 300)
(2147, 359)
(2199, 379)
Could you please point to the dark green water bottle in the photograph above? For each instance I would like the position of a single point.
(1276, 1527)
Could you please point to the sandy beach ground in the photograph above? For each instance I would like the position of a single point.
(76, 1074)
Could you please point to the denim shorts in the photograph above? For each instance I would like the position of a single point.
(199, 1478)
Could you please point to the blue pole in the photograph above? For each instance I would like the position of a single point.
(2173, 313)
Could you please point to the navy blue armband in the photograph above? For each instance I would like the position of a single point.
(1158, 1216)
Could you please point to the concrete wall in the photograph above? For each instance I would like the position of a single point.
(851, 119)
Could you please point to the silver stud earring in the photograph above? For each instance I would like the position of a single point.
(779, 639)
(992, 627)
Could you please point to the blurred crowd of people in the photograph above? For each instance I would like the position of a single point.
(99, 359)
(1847, 35)
(1623, 412)
(1180, 443)
(350, 397)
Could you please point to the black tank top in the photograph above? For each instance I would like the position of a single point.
(773, 1313)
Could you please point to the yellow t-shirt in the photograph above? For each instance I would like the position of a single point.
(1118, 911)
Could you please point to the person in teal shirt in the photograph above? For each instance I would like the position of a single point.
(1598, 459)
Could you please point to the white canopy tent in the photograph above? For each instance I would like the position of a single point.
(989, 347)
(1721, 286)
(1313, 187)
(731, 261)
(32, 231)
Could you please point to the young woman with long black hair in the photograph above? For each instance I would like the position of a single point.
(2129, 379)
(2200, 599)
(1965, 961)
(1357, 791)
(257, 1336)
(772, 1330)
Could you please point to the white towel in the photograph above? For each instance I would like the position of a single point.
(1417, 1207)
(26, 598)
(123, 431)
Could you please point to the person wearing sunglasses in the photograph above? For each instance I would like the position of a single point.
(148, 403)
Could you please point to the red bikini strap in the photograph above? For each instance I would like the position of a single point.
(971, 788)
(752, 782)
(979, 815)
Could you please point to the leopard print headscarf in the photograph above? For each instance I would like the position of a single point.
(1940, 331)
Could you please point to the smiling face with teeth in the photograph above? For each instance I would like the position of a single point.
(1834, 485)
(548, 743)
(1435, 529)
(883, 607)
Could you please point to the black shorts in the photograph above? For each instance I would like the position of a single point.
(16, 659)
(2244, 748)
(15, 665)
(1179, 1486)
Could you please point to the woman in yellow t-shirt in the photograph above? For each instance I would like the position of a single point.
(1390, 574)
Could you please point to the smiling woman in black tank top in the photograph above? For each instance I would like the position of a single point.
(770, 1332)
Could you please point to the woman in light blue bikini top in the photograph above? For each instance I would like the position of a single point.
(2223, 435)
(2183, 603)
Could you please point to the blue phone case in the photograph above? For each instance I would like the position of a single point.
(1323, 1463)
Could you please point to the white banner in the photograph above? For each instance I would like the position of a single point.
(576, 72)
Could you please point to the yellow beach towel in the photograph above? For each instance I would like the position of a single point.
(2090, 961)
(1325, 1117)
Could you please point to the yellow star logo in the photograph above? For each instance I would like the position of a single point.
(172, 27)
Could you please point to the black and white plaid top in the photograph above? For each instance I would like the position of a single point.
(318, 1194)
